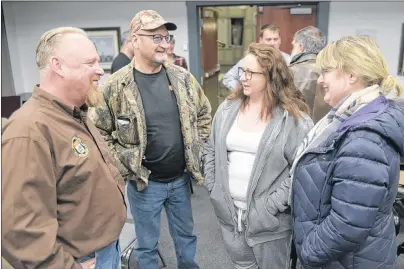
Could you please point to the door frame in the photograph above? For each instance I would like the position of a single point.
(8, 83)
(194, 40)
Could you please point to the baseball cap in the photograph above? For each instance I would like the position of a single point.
(149, 20)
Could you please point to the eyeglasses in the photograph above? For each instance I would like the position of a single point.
(157, 39)
(248, 73)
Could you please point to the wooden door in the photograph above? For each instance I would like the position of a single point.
(209, 35)
(289, 24)
(209, 56)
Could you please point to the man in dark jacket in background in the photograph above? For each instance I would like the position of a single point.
(307, 43)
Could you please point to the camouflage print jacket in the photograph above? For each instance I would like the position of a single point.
(128, 143)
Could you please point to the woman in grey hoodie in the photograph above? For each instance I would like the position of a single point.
(255, 134)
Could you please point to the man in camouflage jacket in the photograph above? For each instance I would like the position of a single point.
(128, 145)
(155, 120)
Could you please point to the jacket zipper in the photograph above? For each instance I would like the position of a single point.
(318, 151)
(226, 174)
(255, 182)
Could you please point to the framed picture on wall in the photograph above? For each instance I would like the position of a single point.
(107, 40)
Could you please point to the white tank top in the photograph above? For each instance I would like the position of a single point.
(242, 148)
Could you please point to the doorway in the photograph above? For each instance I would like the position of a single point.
(220, 54)
(289, 19)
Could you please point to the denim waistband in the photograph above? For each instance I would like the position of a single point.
(86, 258)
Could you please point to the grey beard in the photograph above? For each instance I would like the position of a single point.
(160, 60)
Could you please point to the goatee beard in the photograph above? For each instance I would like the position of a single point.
(94, 97)
(161, 59)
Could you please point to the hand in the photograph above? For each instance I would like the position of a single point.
(89, 264)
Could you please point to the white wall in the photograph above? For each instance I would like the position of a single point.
(7, 83)
(27, 21)
(385, 19)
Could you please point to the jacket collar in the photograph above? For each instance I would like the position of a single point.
(233, 107)
(368, 112)
(176, 79)
(45, 96)
(303, 57)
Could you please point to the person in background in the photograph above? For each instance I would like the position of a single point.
(307, 43)
(255, 134)
(62, 196)
(156, 120)
(125, 55)
(173, 58)
(270, 34)
(346, 173)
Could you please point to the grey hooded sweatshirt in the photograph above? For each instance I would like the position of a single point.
(267, 217)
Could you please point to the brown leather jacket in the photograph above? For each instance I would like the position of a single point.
(305, 75)
(62, 196)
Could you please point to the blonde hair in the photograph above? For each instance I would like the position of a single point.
(281, 91)
(50, 40)
(359, 55)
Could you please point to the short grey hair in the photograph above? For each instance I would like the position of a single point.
(50, 40)
(125, 36)
(311, 38)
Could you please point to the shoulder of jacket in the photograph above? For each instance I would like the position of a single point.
(176, 70)
(32, 127)
(304, 121)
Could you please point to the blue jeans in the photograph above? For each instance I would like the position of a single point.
(108, 257)
(146, 206)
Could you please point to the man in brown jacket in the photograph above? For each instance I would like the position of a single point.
(62, 196)
(307, 43)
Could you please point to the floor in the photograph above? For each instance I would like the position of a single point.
(210, 249)
(211, 253)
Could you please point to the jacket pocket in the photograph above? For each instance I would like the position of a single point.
(259, 219)
(126, 129)
(220, 205)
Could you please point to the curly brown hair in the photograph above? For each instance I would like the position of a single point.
(281, 91)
